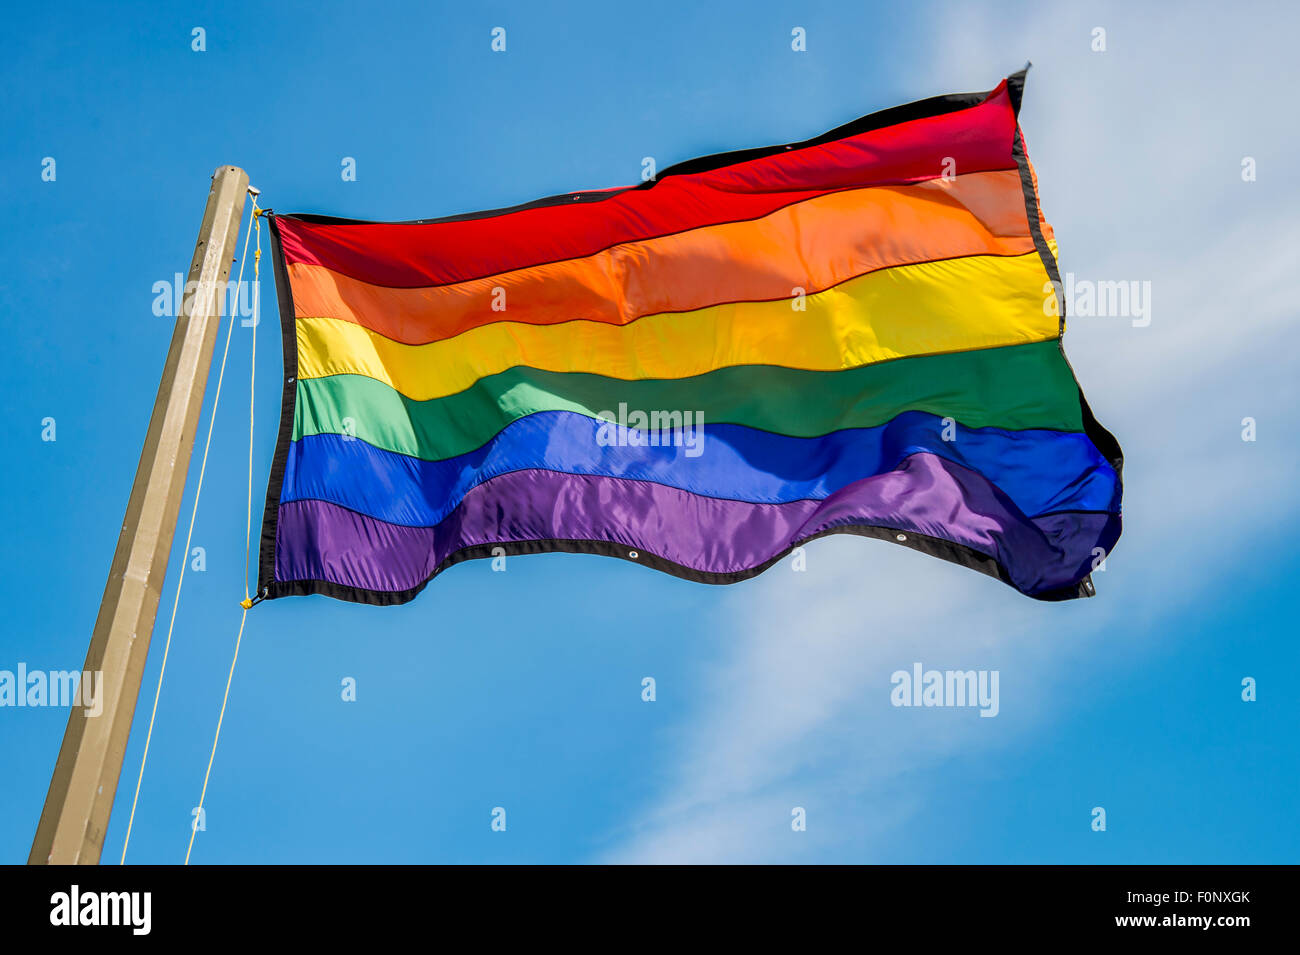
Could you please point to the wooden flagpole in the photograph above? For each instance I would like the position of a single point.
(77, 807)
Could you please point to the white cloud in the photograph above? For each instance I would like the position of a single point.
(1138, 153)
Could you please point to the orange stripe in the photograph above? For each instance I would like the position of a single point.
(813, 245)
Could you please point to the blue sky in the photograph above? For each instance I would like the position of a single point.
(523, 689)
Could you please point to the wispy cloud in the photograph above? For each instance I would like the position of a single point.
(1138, 151)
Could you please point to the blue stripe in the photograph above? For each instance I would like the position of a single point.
(1039, 471)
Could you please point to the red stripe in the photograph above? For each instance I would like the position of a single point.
(413, 255)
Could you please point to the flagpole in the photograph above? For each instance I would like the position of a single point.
(75, 818)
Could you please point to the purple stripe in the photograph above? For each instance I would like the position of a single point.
(925, 495)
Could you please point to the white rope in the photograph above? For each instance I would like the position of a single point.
(194, 826)
(247, 602)
(189, 535)
(252, 379)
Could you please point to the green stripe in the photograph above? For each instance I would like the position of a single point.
(1015, 387)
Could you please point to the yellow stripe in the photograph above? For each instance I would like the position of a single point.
(953, 305)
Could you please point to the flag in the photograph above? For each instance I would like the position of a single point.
(857, 334)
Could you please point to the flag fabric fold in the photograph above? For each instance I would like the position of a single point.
(856, 334)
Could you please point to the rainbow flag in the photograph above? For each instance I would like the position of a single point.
(855, 334)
